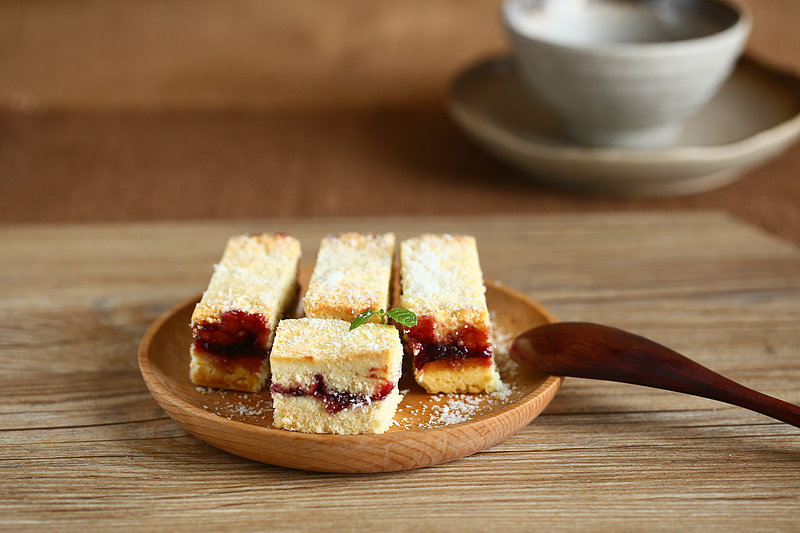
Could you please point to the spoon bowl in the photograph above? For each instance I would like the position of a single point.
(584, 350)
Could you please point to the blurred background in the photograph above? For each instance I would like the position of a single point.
(155, 110)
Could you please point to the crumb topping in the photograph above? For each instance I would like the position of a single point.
(442, 278)
(251, 277)
(441, 274)
(328, 339)
(352, 274)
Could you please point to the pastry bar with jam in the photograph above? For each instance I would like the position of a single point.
(253, 286)
(352, 274)
(328, 379)
(451, 345)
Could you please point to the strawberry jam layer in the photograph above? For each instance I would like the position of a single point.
(237, 334)
(334, 401)
(468, 342)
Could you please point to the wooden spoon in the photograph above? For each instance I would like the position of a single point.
(600, 352)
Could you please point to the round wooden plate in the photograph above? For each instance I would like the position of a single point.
(427, 430)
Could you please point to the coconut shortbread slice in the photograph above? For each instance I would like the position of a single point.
(253, 286)
(328, 379)
(353, 274)
(451, 344)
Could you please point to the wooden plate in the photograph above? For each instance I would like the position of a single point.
(428, 429)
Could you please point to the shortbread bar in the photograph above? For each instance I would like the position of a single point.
(442, 284)
(328, 379)
(253, 286)
(353, 274)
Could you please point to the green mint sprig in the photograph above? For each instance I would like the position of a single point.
(398, 314)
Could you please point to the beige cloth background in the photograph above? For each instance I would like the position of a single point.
(152, 54)
(152, 110)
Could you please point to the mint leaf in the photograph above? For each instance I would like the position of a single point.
(402, 316)
(363, 318)
(398, 314)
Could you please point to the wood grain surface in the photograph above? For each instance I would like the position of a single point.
(83, 444)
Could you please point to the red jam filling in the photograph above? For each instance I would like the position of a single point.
(236, 335)
(333, 400)
(468, 342)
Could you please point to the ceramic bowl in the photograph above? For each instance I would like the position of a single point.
(625, 72)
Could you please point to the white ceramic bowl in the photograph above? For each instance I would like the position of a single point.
(625, 72)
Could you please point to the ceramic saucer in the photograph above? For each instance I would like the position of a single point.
(754, 116)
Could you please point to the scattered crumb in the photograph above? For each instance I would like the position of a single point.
(240, 406)
(502, 338)
(502, 342)
(445, 409)
(244, 410)
(458, 408)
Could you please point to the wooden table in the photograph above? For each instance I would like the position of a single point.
(84, 444)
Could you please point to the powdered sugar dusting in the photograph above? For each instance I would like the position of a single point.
(437, 410)
(331, 339)
(253, 276)
(352, 274)
(502, 341)
(445, 409)
(253, 408)
(437, 265)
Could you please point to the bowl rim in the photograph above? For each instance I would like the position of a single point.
(731, 34)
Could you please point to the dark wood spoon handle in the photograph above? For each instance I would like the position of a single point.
(600, 352)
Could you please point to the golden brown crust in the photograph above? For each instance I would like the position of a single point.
(352, 274)
(468, 375)
(244, 374)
